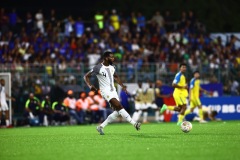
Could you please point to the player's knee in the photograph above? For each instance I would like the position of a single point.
(118, 106)
(183, 108)
(177, 109)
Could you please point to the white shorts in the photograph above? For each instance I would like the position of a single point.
(4, 107)
(149, 105)
(108, 95)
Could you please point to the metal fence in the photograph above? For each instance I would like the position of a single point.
(64, 74)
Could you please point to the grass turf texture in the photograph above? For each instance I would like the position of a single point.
(216, 140)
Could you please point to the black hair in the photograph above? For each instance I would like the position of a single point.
(195, 72)
(182, 64)
(107, 54)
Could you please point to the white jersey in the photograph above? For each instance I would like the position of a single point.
(3, 100)
(105, 77)
(2, 94)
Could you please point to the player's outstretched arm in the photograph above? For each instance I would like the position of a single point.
(87, 80)
(205, 91)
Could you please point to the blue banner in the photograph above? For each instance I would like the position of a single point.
(228, 108)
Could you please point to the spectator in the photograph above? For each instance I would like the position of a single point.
(124, 99)
(47, 111)
(115, 20)
(94, 107)
(70, 103)
(83, 106)
(68, 26)
(79, 27)
(60, 115)
(235, 88)
(158, 19)
(32, 110)
(99, 20)
(29, 23)
(141, 21)
(40, 21)
(102, 106)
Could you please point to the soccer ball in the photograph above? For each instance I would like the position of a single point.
(186, 126)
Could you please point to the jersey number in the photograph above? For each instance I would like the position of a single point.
(104, 74)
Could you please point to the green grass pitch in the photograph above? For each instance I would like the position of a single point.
(164, 141)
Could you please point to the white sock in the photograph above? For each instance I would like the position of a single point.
(7, 122)
(45, 120)
(126, 116)
(157, 115)
(110, 119)
(145, 114)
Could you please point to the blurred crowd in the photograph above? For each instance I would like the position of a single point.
(43, 38)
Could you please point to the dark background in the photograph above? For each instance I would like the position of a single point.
(217, 15)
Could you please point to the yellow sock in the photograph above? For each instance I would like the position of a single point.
(200, 114)
(171, 108)
(188, 111)
(180, 118)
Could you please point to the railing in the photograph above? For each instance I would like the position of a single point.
(51, 74)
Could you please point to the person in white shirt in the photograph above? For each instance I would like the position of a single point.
(106, 75)
(3, 103)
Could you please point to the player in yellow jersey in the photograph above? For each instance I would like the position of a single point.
(180, 94)
(194, 96)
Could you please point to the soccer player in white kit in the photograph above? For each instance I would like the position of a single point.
(3, 103)
(106, 75)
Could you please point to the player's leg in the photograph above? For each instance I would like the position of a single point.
(172, 108)
(181, 114)
(110, 119)
(191, 109)
(200, 111)
(182, 102)
(7, 118)
(6, 111)
(117, 106)
(112, 116)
